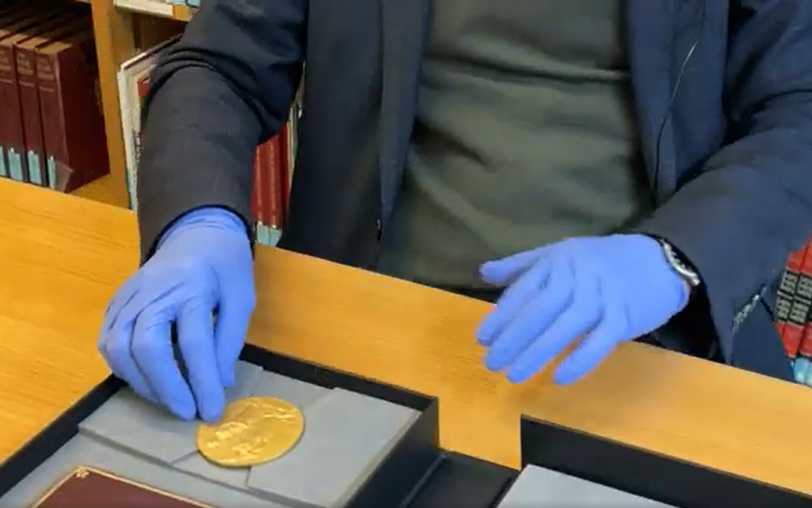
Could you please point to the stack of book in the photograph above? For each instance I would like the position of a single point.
(794, 312)
(51, 122)
(273, 165)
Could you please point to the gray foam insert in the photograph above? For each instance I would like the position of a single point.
(140, 427)
(90, 452)
(537, 487)
(268, 384)
(296, 392)
(131, 422)
(246, 377)
(346, 436)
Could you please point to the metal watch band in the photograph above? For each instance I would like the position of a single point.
(682, 269)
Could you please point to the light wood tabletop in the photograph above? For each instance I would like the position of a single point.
(62, 258)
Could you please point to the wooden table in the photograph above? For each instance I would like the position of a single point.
(62, 258)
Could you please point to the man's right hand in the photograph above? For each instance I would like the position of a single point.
(202, 265)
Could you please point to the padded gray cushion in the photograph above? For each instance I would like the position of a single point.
(346, 436)
(128, 421)
(542, 488)
(296, 392)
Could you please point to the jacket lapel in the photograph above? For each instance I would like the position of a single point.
(404, 25)
(649, 41)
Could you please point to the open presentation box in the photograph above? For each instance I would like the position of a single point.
(567, 467)
(365, 445)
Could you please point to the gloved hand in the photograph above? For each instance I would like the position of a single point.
(604, 289)
(202, 264)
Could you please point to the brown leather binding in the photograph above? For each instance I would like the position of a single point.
(92, 488)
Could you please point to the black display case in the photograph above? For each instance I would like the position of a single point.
(569, 465)
(415, 472)
(644, 473)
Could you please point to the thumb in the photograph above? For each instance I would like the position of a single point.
(502, 272)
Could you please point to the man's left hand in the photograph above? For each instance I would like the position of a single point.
(597, 291)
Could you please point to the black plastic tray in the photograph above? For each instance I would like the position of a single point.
(672, 481)
(416, 474)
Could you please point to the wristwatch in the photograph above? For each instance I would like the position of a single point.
(677, 264)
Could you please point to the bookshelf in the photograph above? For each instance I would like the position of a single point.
(128, 36)
(121, 29)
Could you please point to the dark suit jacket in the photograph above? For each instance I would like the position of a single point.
(723, 92)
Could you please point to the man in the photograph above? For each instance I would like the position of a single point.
(625, 169)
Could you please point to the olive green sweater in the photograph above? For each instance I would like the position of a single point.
(524, 135)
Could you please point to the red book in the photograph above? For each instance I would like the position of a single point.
(285, 166)
(803, 294)
(275, 181)
(28, 21)
(799, 310)
(36, 90)
(81, 150)
(786, 291)
(91, 488)
(255, 194)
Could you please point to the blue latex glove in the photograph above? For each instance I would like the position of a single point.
(605, 289)
(202, 263)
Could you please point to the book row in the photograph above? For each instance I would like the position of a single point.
(51, 122)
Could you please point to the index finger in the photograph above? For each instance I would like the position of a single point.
(153, 353)
(196, 343)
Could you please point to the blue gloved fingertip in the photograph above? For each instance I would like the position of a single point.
(491, 274)
(211, 416)
(492, 362)
(183, 407)
(184, 413)
(484, 335)
(517, 377)
(565, 376)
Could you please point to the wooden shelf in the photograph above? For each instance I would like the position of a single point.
(176, 12)
(102, 190)
(120, 27)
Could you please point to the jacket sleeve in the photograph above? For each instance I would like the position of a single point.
(223, 88)
(752, 204)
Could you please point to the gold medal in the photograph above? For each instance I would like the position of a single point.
(252, 431)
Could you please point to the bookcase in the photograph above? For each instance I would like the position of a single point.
(121, 30)
(129, 34)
